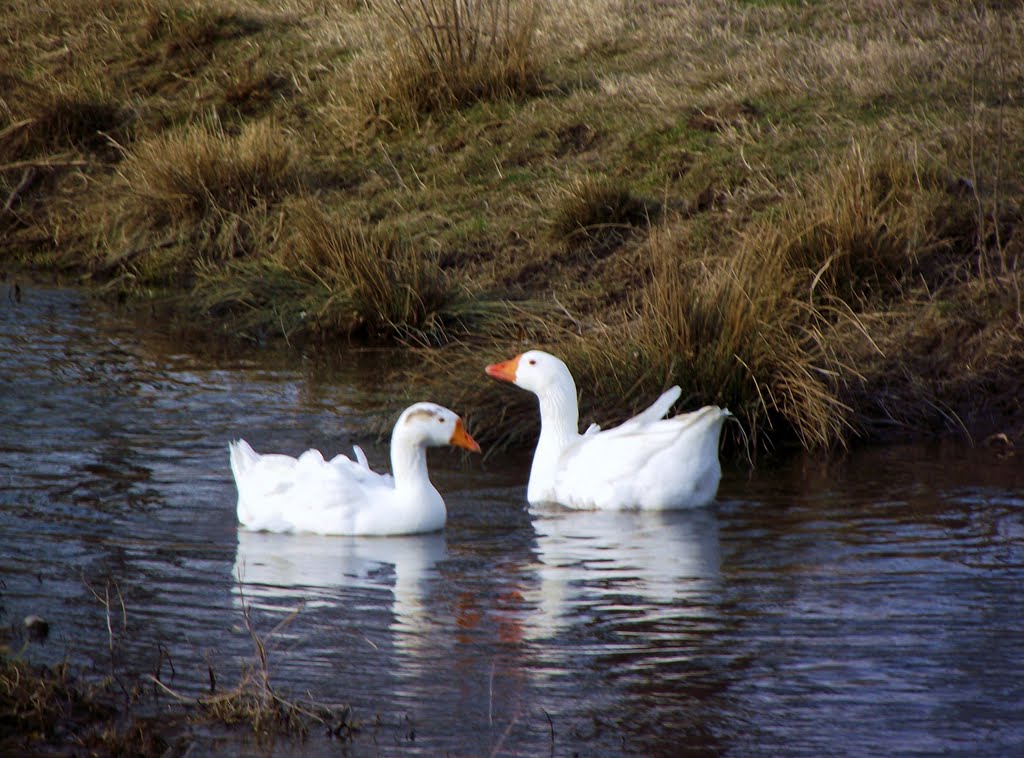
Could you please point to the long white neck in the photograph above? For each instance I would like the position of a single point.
(408, 462)
(559, 413)
(414, 505)
(559, 426)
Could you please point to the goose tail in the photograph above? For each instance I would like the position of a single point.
(242, 458)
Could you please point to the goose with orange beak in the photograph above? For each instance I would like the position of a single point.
(648, 462)
(278, 493)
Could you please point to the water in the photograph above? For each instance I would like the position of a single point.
(870, 606)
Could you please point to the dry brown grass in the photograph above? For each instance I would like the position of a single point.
(43, 709)
(817, 309)
(868, 224)
(445, 54)
(196, 197)
(378, 282)
(205, 170)
(733, 330)
(329, 275)
(598, 213)
(826, 178)
(194, 28)
(57, 122)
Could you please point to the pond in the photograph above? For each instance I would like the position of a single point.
(868, 605)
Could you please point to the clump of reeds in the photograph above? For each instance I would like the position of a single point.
(185, 175)
(867, 223)
(732, 331)
(378, 279)
(198, 196)
(445, 54)
(335, 276)
(377, 284)
(769, 328)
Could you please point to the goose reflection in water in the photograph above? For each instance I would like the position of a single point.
(623, 568)
(280, 572)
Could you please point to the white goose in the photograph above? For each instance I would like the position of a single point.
(278, 493)
(648, 462)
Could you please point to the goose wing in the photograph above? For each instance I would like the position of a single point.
(614, 454)
(360, 470)
(284, 494)
(656, 412)
(620, 467)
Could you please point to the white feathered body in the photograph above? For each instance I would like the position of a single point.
(643, 464)
(648, 462)
(278, 493)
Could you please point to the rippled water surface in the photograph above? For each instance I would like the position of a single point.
(871, 606)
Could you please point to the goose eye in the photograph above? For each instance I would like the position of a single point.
(440, 421)
(533, 361)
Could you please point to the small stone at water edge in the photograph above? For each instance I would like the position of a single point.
(37, 628)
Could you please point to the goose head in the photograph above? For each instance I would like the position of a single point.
(432, 425)
(536, 371)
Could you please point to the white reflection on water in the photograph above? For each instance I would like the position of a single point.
(594, 563)
(280, 572)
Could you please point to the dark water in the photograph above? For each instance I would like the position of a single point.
(871, 606)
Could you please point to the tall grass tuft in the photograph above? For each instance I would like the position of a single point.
(445, 54)
(770, 328)
(731, 330)
(200, 196)
(332, 276)
(378, 284)
(186, 175)
(866, 224)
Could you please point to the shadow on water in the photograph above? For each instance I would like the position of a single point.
(864, 606)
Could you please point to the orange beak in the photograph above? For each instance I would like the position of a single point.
(461, 438)
(505, 371)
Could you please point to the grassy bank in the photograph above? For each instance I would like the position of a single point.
(807, 211)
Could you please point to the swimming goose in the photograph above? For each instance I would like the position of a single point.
(648, 462)
(278, 493)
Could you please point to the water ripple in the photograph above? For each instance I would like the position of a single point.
(866, 606)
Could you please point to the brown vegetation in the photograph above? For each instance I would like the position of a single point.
(806, 211)
(49, 709)
(443, 54)
(46, 710)
(255, 704)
